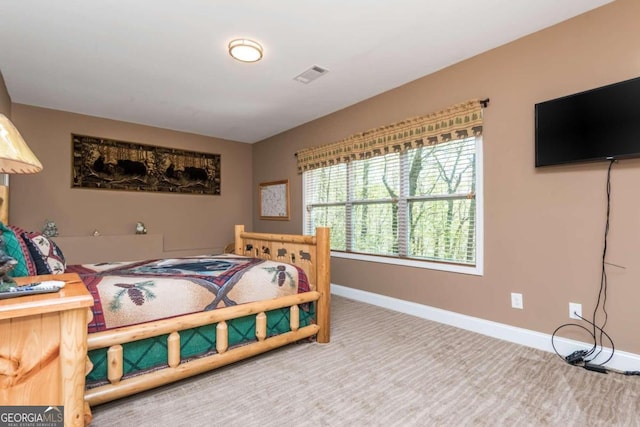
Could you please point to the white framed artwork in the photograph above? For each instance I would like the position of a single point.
(274, 200)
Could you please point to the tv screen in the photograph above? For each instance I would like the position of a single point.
(596, 125)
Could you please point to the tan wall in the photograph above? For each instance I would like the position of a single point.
(192, 223)
(5, 99)
(543, 227)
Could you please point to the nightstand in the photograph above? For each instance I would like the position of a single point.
(43, 347)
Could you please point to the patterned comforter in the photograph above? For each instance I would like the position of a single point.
(129, 293)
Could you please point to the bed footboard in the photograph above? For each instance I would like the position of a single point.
(176, 369)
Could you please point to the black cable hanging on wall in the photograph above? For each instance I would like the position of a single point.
(586, 358)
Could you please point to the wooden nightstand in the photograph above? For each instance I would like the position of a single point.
(43, 347)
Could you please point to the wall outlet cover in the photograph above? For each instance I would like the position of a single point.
(516, 300)
(575, 310)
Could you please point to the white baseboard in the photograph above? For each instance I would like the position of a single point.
(621, 360)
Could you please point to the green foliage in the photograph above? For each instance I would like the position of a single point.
(428, 192)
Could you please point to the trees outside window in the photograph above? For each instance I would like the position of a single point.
(418, 204)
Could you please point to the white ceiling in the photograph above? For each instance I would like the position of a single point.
(165, 62)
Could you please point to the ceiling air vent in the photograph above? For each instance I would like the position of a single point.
(311, 74)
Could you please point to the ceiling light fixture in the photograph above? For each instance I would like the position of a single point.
(245, 50)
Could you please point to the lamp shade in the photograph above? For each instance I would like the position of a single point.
(15, 154)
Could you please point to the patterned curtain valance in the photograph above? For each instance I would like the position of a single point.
(459, 121)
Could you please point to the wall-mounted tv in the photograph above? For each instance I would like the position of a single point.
(595, 125)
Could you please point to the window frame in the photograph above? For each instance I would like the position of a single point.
(477, 269)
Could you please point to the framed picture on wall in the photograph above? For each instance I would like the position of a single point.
(106, 164)
(274, 200)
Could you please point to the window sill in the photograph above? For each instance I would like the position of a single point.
(452, 268)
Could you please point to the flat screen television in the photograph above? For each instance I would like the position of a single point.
(595, 125)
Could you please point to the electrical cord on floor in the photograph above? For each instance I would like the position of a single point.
(581, 357)
(602, 333)
(586, 358)
(578, 355)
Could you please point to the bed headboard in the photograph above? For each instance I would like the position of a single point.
(92, 249)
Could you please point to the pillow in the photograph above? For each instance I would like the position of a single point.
(46, 255)
(31, 267)
(13, 248)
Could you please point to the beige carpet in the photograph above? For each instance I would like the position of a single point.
(384, 368)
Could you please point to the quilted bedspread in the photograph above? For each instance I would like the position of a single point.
(129, 293)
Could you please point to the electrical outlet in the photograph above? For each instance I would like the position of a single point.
(516, 300)
(575, 309)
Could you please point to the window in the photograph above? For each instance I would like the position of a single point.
(420, 207)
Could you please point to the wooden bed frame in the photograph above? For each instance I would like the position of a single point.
(311, 253)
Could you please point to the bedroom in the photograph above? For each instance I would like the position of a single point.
(543, 228)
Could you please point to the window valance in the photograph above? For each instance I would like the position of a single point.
(457, 122)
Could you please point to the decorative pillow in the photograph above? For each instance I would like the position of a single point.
(46, 255)
(13, 248)
(31, 267)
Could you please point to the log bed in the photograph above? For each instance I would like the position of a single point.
(310, 253)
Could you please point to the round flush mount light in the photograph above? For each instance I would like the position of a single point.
(245, 50)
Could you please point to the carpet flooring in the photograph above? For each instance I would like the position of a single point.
(384, 368)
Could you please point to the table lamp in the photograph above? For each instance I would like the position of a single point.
(15, 157)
